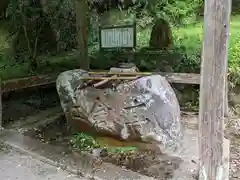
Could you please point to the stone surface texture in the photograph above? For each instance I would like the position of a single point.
(145, 108)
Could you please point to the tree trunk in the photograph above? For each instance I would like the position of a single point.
(82, 32)
(3, 8)
(1, 112)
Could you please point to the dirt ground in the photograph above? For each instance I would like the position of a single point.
(144, 162)
(147, 163)
(235, 158)
(27, 102)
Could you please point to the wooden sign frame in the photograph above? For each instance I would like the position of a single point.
(132, 26)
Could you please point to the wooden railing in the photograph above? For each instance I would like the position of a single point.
(27, 82)
(35, 81)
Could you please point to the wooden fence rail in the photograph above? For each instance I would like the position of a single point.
(42, 80)
(45, 80)
(28, 82)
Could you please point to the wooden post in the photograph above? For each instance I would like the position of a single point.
(213, 148)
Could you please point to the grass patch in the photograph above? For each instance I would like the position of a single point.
(85, 142)
(10, 69)
(51, 65)
(191, 38)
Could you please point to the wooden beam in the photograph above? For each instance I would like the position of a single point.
(34, 81)
(28, 82)
(213, 148)
(181, 78)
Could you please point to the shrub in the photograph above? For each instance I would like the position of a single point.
(190, 37)
(234, 59)
(177, 11)
(84, 142)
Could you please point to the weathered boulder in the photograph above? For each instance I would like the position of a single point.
(142, 109)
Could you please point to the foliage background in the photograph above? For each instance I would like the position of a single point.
(57, 45)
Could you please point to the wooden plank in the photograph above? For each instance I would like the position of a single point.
(27, 82)
(213, 148)
(34, 81)
(182, 78)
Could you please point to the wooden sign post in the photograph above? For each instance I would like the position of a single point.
(213, 148)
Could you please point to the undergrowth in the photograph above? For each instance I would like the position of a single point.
(185, 56)
(84, 142)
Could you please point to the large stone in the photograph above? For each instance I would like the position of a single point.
(145, 109)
